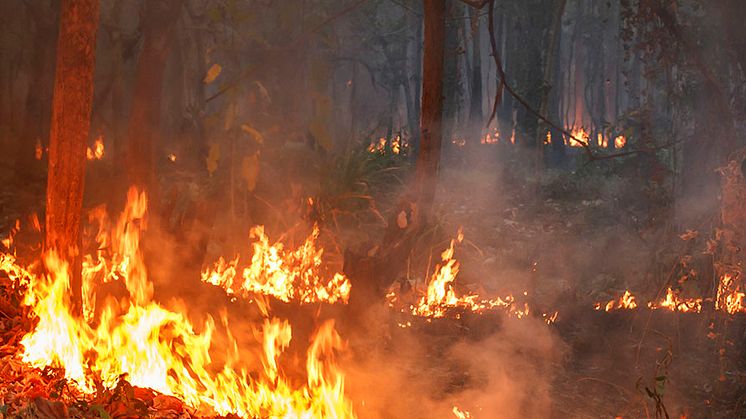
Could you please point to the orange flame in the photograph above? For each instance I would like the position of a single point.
(620, 141)
(97, 153)
(286, 275)
(161, 349)
(626, 301)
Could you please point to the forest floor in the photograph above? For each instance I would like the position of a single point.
(568, 244)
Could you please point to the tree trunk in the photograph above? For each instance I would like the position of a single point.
(428, 158)
(71, 119)
(475, 104)
(550, 80)
(158, 23)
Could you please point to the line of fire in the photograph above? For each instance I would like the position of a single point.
(374, 209)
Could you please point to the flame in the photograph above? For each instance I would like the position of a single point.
(154, 347)
(626, 301)
(378, 146)
(548, 139)
(458, 142)
(730, 298)
(672, 302)
(171, 157)
(461, 414)
(440, 297)
(581, 134)
(396, 144)
(620, 141)
(38, 150)
(491, 138)
(97, 153)
(286, 275)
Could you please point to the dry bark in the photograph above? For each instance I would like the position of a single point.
(71, 119)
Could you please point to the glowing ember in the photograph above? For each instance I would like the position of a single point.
(97, 152)
(38, 150)
(626, 301)
(491, 138)
(620, 141)
(171, 157)
(548, 139)
(286, 275)
(156, 348)
(458, 142)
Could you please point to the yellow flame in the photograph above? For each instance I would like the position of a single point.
(97, 152)
(620, 141)
(626, 301)
(286, 275)
(156, 348)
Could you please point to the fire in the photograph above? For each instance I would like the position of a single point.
(461, 414)
(171, 157)
(153, 347)
(620, 141)
(626, 301)
(286, 275)
(491, 138)
(581, 134)
(97, 153)
(396, 144)
(38, 150)
(378, 146)
(440, 297)
(730, 298)
(548, 139)
(672, 302)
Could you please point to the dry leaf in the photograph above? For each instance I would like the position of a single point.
(256, 135)
(213, 156)
(212, 73)
(250, 170)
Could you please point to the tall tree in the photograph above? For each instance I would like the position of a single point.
(71, 118)
(431, 133)
(475, 104)
(157, 25)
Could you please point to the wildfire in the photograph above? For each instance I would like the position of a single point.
(440, 297)
(581, 134)
(461, 414)
(673, 302)
(626, 301)
(153, 347)
(620, 141)
(491, 138)
(97, 152)
(286, 275)
(730, 298)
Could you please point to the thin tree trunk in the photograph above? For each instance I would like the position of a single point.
(550, 73)
(159, 17)
(428, 158)
(475, 105)
(71, 119)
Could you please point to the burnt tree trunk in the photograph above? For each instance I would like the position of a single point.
(71, 119)
(159, 19)
(431, 134)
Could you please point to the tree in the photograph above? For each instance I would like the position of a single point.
(431, 133)
(71, 119)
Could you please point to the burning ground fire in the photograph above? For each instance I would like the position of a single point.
(730, 299)
(440, 298)
(159, 349)
(285, 275)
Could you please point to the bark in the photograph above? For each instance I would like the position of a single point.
(71, 118)
(159, 19)
(39, 96)
(428, 158)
